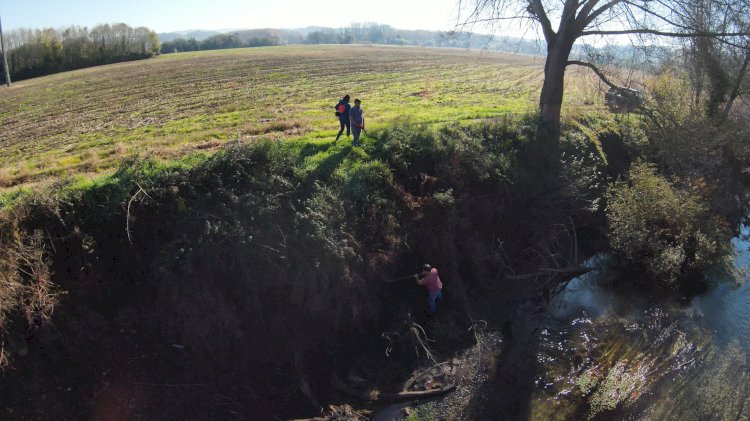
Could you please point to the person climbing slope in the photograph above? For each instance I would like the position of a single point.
(430, 279)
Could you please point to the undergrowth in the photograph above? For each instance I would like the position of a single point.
(261, 270)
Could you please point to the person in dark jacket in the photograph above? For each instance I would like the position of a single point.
(357, 117)
(342, 110)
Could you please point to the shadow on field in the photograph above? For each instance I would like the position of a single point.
(325, 168)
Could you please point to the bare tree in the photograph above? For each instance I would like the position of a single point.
(564, 22)
(5, 60)
(719, 67)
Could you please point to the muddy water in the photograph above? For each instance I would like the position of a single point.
(622, 355)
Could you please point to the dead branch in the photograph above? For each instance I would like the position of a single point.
(127, 216)
(579, 270)
(415, 330)
(170, 385)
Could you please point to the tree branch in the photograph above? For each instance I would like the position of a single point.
(575, 270)
(667, 34)
(569, 11)
(127, 215)
(537, 9)
(589, 17)
(659, 16)
(736, 85)
(596, 70)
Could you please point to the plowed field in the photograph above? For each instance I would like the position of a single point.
(87, 121)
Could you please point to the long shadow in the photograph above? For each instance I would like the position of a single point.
(508, 392)
(311, 149)
(325, 168)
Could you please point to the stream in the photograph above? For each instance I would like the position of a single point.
(600, 350)
(624, 355)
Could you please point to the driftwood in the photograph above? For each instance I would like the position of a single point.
(574, 270)
(400, 396)
(422, 394)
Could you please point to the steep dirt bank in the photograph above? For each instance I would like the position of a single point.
(237, 287)
(252, 285)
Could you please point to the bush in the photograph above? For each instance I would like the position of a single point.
(582, 169)
(664, 230)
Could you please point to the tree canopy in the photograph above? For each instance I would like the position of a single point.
(562, 23)
(37, 52)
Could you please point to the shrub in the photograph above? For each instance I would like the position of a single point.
(582, 169)
(665, 230)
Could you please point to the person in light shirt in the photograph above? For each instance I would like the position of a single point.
(430, 279)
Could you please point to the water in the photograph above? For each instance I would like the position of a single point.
(622, 355)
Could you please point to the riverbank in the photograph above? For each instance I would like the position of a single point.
(253, 284)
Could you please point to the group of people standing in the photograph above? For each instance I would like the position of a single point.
(351, 118)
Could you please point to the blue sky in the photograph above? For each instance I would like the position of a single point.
(175, 15)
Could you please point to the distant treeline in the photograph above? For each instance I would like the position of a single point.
(38, 52)
(240, 39)
(373, 33)
(357, 33)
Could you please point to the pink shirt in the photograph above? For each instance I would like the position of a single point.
(432, 281)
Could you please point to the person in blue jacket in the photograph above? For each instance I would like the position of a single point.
(342, 111)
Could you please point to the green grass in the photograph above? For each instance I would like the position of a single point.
(88, 121)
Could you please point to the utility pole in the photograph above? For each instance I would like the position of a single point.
(5, 60)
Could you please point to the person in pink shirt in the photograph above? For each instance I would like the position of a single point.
(430, 279)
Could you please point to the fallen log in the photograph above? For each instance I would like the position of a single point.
(404, 395)
(422, 394)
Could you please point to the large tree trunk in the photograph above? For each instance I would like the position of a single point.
(550, 104)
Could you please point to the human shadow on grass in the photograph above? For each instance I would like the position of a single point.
(326, 166)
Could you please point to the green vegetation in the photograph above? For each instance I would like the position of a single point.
(424, 412)
(226, 240)
(667, 230)
(88, 121)
(224, 253)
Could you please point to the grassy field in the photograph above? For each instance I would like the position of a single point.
(87, 121)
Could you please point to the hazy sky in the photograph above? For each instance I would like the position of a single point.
(175, 15)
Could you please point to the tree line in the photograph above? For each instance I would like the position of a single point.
(39, 52)
(240, 39)
(356, 33)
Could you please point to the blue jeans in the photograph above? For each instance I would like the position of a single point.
(432, 300)
(344, 125)
(355, 132)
